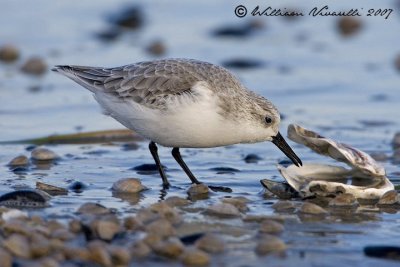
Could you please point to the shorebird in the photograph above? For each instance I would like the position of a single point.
(182, 103)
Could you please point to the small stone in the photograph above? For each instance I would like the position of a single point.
(270, 244)
(167, 212)
(93, 208)
(152, 239)
(239, 202)
(19, 161)
(120, 256)
(176, 201)
(140, 250)
(34, 66)
(343, 200)
(283, 205)
(6, 259)
(51, 189)
(310, 208)
(16, 226)
(99, 253)
(198, 189)
(77, 186)
(348, 25)
(389, 198)
(145, 216)
(195, 257)
(129, 17)
(106, 229)
(8, 53)
(128, 185)
(18, 245)
(271, 227)
(161, 227)
(62, 234)
(211, 243)
(252, 158)
(171, 248)
(156, 48)
(40, 246)
(396, 138)
(223, 210)
(131, 223)
(43, 154)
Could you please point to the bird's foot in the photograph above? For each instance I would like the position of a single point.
(220, 189)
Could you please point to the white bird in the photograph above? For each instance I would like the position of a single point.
(182, 103)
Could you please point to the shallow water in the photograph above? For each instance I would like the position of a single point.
(344, 88)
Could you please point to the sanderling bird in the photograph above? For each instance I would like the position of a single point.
(182, 103)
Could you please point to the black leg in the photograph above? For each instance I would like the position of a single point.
(153, 151)
(177, 156)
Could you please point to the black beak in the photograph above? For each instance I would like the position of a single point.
(285, 148)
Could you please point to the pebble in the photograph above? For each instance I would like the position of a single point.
(195, 257)
(120, 256)
(283, 205)
(152, 239)
(396, 137)
(223, 210)
(43, 154)
(343, 200)
(39, 246)
(198, 189)
(75, 226)
(77, 186)
(93, 208)
(310, 208)
(239, 202)
(128, 185)
(129, 18)
(131, 223)
(348, 26)
(9, 53)
(156, 48)
(171, 248)
(19, 161)
(51, 189)
(106, 229)
(271, 227)
(6, 259)
(161, 227)
(176, 201)
(18, 245)
(389, 198)
(210, 243)
(34, 66)
(99, 253)
(62, 234)
(167, 212)
(140, 250)
(25, 199)
(269, 244)
(252, 158)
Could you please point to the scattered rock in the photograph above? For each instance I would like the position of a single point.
(195, 257)
(93, 208)
(19, 161)
(106, 229)
(9, 53)
(75, 226)
(348, 26)
(310, 208)
(239, 202)
(281, 189)
(389, 198)
(99, 253)
(176, 201)
(223, 210)
(242, 63)
(156, 48)
(270, 244)
(128, 185)
(396, 140)
(43, 154)
(210, 243)
(62, 234)
(18, 245)
(34, 66)
(283, 205)
(162, 228)
(167, 212)
(132, 224)
(51, 189)
(120, 256)
(130, 18)
(343, 200)
(25, 199)
(6, 259)
(140, 250)
(271, 227)
(171, 248)
(383, 252)
(198, 189)
(252, 158)
(77, 186)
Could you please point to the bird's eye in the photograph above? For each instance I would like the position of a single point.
(268, 120)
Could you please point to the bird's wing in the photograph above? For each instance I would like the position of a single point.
(147, 83)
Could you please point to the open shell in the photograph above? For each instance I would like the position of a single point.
(364, 179)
